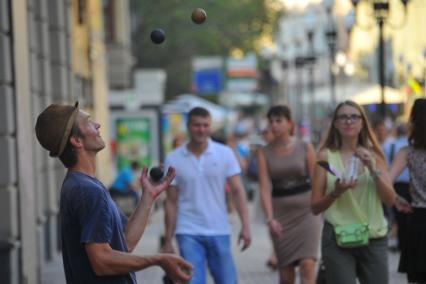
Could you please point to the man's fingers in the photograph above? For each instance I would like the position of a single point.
(171, 173)
(186, 265)
(145, 171)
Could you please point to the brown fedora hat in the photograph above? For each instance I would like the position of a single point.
(53, 127)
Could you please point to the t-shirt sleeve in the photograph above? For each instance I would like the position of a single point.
(233, 167)
(95, 217)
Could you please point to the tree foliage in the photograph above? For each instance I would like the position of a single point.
(230, 24)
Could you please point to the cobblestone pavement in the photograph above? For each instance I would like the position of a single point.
(251, 264)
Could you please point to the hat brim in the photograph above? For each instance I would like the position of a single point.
(67, 132)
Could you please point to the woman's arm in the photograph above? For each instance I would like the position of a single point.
(379, 173)
(265, 193)
(398, 164)
(383, 182)
(321, 201)
(310, 159)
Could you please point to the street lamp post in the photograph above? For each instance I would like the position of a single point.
(331, 36)
(331, 40)
(381, 13)
(310, 19)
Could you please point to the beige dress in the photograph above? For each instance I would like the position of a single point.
(291, 200)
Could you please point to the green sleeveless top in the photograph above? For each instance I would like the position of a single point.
(357, 205)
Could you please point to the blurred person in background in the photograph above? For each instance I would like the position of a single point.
(196, 205)
(351, 201)
(97, 238)
(401, 185)
(127, 182)
(383, 129)
(286, 163)
(413, 156)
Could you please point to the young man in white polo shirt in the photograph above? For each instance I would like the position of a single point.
(196, 207)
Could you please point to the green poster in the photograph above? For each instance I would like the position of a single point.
(133, 141)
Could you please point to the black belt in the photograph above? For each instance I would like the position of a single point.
(280, 191)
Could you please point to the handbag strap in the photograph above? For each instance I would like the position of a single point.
(368, 197)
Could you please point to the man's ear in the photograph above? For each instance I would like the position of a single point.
(76, 141)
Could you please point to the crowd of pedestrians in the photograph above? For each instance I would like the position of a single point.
(334, 206)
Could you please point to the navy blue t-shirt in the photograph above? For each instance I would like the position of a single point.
(89, 215)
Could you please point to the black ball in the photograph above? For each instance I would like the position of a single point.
(156, 173)
(158, 36)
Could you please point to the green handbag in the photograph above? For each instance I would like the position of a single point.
(352, 235)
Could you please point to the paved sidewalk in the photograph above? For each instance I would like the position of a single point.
(251, 264)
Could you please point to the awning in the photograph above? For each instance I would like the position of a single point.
(373, 95)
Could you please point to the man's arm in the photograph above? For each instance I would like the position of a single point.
(170, 219)
(240, 198)
(137, 222)
(107, 261)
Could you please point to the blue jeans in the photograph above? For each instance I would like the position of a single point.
(215, 250)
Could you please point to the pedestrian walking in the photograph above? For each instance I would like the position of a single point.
(354, 237)
(401, 185)
(413, 156)
(97, 239)
(287, 163)
(196, 207)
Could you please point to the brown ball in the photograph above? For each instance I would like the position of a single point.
(198, 16)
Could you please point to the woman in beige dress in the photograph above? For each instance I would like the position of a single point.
(285, 167)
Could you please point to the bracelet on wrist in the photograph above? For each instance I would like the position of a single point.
(375, 174)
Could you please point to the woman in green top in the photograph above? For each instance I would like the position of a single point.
(357, 200)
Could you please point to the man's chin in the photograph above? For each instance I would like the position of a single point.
(101, 147)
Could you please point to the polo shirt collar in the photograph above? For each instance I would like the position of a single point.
(208, 150)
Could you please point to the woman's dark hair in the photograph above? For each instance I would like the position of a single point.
(281, 111)
(69, 155)
(417, 132)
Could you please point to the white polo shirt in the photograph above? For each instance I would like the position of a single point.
(201, 207)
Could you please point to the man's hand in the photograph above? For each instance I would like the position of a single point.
(152, 191)
(245, 238)
(176, 268)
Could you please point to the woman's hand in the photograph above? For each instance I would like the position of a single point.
(342, 185)
(275, 228)
(402, 205)
(365, 156)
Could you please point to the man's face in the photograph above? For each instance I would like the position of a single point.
(199, 128)
(381, 132)
(92, 140)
